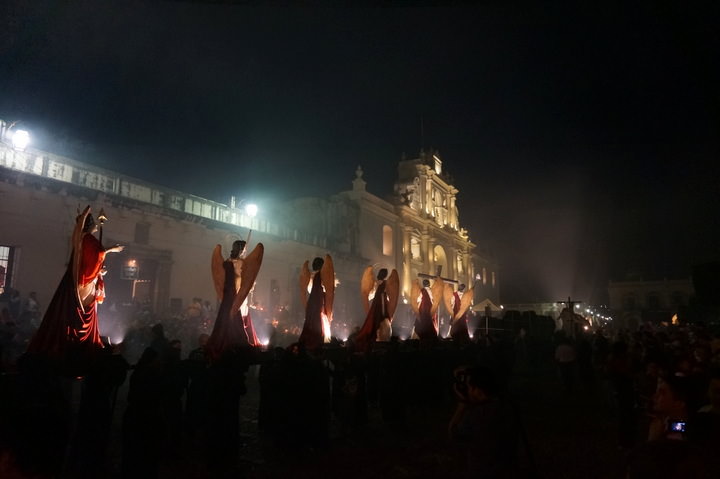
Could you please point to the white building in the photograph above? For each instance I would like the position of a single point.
(170, 235)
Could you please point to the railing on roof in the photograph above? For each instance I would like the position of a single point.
(59, 168)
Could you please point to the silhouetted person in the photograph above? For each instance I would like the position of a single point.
(196, 403)
(34, 420)
(159, 342)
(174, 384)
(484, 422)
(143, 423)
(95, 415)
(226, 386)
(621, 376)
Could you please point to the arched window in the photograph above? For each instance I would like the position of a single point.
(387, 243)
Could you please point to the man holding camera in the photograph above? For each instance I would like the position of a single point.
(484, 422)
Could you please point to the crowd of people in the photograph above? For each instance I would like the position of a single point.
(662, 381)
(663, 384)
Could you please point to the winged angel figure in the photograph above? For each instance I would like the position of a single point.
(317, 290)
(457, 304)
(379, 297)
(234, 278)
(425, 306)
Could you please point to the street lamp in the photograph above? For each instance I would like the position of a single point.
(251, 210)
(19, 139)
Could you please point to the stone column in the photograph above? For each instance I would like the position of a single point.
(426, 253)
(452, 263)
(429, 206)
(453, 220)
(470, 268)
(407, 260)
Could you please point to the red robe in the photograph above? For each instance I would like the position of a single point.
(68, 328)
(231, 329)
(312, 336)
(426, 322)
(459, 329)
(376, 314)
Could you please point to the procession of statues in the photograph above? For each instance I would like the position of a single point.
(69, 332)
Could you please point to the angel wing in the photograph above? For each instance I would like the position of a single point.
(250, 270)
(218, 272)
(448, 297)
(437, 290)
(366, 285)
(305, 276)
(465, 303)
(77, 237)
(392, 288)
(414, 293)
(327, 276)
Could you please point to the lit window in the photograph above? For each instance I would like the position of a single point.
(484, 276)
(415, 247)
(387, 240)
(493, 279)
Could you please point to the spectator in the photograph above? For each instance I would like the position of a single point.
(485, 423)
(565, 358)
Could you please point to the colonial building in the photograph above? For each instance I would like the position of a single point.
(638, 301)
(169, 235)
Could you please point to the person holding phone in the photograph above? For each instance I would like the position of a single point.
(670, 409)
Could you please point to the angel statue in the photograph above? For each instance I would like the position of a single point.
(69, 329)
(425, 307)
(457, 303)
(379, 299)
(234, 278)
(317, 290)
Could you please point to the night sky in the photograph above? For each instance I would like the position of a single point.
(584, 141)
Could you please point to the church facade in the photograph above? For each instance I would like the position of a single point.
(169, 235)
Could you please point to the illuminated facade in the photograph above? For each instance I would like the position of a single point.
(169, 235)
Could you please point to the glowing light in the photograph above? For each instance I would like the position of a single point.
(502, 307)
(132, 263)
(405, 301)
(20, 139)
(585, 328)
(251, 209)
(577, 306)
